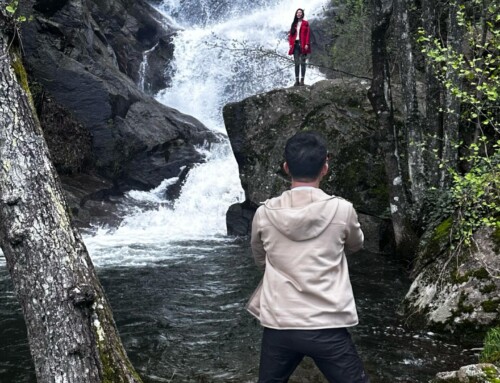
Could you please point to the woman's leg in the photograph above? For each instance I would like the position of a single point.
(296, 59)
(303, 59)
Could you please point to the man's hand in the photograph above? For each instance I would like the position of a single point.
(306, 46)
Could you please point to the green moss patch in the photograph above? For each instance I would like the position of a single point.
(490, 305)
(488, 288)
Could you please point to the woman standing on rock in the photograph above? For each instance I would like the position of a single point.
(300, 47)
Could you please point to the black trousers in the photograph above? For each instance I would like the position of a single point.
(299, 60)
(332, 350)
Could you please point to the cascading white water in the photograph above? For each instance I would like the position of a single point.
(221, 55)
(144, 66)
(233, 58)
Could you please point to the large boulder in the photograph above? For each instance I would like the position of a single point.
(259, 126)
(85, 57)
(455, 290)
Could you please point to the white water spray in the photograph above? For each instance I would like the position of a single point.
(144, 66)
(219, 58)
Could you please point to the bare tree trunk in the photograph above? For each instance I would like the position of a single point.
(71, 331)
(379, 95)
(413, 123)
(451, 102)
(433, 129)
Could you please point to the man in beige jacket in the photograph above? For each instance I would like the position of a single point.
(305, 300)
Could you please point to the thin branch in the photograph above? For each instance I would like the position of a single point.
(260, 52)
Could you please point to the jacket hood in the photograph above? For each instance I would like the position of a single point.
(301, 214)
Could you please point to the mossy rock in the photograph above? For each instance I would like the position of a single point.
(475, 373)
(455, 292)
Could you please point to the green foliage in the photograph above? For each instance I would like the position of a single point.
(473, 77)
(478, 69)
(491, 351)
(12, 8)
(476, 196)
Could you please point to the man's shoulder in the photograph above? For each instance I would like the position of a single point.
(342, 203)
(336, 197)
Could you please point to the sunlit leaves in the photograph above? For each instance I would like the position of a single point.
(12, 8)
(476, 79)
(476, 194)
(473, 77)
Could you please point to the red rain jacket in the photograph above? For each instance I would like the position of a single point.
(304, 37)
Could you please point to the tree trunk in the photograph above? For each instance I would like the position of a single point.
(413, 124)
(71, 331)
(433, 129)
(451, 102)
(379, 95)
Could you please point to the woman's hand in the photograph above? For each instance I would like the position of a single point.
(306, 46)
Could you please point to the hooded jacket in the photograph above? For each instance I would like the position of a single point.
(304, 38)
(299, 239)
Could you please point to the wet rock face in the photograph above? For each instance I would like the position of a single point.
(259, 126)
(85, 57)
(70, 144)
(455, 292)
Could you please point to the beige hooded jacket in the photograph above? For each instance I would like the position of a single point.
(299, 240)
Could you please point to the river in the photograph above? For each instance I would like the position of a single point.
(180, 313)
(177, 284)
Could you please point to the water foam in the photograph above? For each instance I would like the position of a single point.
(220, 56)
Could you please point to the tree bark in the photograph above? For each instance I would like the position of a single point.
(413, 123)
(451, 102)
(71, 331)
(433, 127)
(379, 95)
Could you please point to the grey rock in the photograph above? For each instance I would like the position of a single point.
(259, 126)
(474, 373)
(92, 200)
(455, 291)
(239, 219)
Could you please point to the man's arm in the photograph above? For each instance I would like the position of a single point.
(258, 252)
(354, 238)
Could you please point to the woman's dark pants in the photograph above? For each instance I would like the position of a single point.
(299, 59)
(331, 349)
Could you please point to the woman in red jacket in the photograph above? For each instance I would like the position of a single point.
(300, 47)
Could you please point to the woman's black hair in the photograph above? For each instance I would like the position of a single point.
(293, 28)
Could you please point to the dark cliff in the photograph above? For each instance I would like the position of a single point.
(105, 134)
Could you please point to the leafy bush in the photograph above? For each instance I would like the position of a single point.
(476, 193)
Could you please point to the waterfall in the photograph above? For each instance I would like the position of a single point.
(144, 67)
(239, 50)
(226, 50)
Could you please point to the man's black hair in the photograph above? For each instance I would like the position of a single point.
(305, 154)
